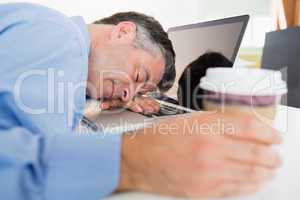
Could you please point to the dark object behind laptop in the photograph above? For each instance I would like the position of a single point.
(189, 93)
(282, 52)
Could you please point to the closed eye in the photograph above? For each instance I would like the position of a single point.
(137, 77)
(142, 75)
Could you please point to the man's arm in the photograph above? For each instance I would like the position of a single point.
(66, 166)
(191, 156)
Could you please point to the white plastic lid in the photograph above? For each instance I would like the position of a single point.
(244, 81)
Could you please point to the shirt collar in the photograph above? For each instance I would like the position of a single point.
(79, 21)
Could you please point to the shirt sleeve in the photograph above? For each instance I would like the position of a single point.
(67, 166)
(40, 156)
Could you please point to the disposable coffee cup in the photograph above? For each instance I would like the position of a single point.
(257, 91)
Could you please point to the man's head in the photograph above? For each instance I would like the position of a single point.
(130, 53)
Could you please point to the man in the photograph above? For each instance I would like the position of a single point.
(49, 63)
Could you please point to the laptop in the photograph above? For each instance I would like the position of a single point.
(190, 42)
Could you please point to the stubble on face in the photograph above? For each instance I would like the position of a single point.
(115, 71)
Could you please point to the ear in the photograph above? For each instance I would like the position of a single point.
(124, 32)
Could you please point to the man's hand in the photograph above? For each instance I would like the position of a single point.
(200, 155)
(139, 105)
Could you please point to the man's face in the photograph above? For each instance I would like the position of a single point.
(122, 71)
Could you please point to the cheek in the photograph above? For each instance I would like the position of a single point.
(157, 71)
(160, 74)
(125, 72)
(150, 86)
(118, 76)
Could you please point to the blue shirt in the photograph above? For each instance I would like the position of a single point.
(43, 74)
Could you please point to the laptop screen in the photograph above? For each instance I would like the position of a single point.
(191, 41)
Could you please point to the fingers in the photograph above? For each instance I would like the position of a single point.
(149, 105)
(261, 133)
(251, 153)
(223, 189)
(139, 105)
(233, 171)
(135, 107)
(240, 126)
(105, 105)
(235, 189)
(143, 104)
(249, 128)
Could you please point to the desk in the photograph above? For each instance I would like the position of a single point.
(287, 183)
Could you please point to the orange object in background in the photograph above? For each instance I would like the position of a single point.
(287, 13)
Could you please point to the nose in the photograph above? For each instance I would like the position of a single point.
(126, 97)
(128, 92)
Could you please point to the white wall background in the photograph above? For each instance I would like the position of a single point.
(168, 12)
(173, 12)
(259, 10)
